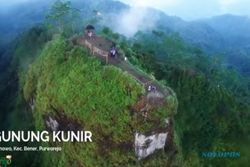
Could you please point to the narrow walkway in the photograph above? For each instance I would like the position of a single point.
(142, 78)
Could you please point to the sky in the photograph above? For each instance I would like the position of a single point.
(138, 15)
(11, 2)
(186, 9)
(195, 9)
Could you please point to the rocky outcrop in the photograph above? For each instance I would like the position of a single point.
(61, 122)
(147, 145)
(52, 124)
(32, 104)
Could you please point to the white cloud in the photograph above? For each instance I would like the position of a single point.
(227, 2)
(134, 19)
(239, 7)
(158, 4)
(194, 9)
(138, 18)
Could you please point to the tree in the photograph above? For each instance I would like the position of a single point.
(106, 31)
(62, 16)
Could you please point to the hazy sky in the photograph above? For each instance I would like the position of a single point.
(195, 9)
(187, 9)
(11, 2)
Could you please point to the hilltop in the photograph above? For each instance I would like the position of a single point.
(67, 85)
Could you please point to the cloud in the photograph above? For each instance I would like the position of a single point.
(195, 9)
(158, 4)
(239, 7)
(134, 19)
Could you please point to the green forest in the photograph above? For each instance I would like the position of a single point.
(212, 112)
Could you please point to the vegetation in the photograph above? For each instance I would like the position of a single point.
(68, 79)
(213, 107)
(14, 114)
(213, 100)
(63, 18)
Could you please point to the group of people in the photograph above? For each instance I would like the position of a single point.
(151, 88)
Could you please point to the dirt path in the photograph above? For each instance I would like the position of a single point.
(141, 77)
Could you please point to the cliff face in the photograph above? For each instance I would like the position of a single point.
(69, 89)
